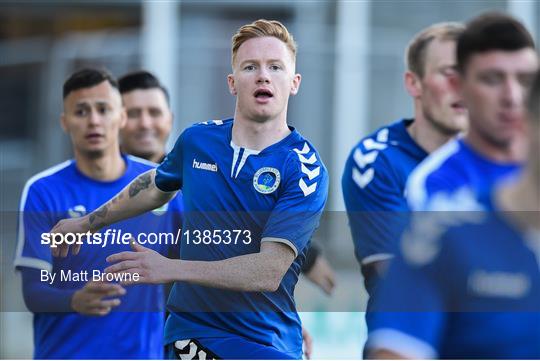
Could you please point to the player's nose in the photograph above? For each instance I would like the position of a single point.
(513, 93)
(263, 76)
(145, 121)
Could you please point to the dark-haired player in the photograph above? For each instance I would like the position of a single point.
(496, 61)
(469, 287)
(72, 312)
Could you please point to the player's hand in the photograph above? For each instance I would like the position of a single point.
(322, 275)
(149, 265)
(73, 226)
(307, 343)
(89, 300)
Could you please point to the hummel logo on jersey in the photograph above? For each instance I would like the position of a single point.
(212, 167)
(499, 284)
(77, 211)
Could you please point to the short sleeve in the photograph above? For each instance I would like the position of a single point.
(376, 208)
(35, 220)
(298, 210)
(169, 177)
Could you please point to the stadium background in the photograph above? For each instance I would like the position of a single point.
(350, 57)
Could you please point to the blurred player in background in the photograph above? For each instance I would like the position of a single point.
(470, 288)
(379, 165)
(65, 308)
(145, 135)
(496, 61)
(253, 175)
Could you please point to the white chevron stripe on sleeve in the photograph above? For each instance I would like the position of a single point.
(311, 173)
(305, 188)
(382, 135)
(370, 144)
(309, 160)
(362, 159)
(304, 150)
(363, 179)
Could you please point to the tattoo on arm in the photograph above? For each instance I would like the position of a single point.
(142, 182)
(98, 213)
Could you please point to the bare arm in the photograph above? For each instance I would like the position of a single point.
(259, 272)
(140, 196)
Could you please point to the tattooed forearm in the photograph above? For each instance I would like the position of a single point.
(98, 213)
(117, 198)
(142, 182)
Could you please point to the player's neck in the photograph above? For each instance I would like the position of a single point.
(426, 135)
(521, 200)
(512, 153)
(107, 167)
(157, 157)
(258, 136)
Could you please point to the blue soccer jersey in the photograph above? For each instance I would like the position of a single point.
(373, 186)
(467, 285)
(134, 330)
(228, 190)
(455, 177)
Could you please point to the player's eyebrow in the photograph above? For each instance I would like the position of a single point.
(257, 61)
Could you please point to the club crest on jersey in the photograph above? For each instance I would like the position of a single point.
(266, 180)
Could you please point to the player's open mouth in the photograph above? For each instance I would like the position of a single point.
(458, 106)
(263, 94)
(94, 136)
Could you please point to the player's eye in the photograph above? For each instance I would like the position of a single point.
(102, 109)
(449, 72)
(491, 78)
(133, 113)
(275, 67)
(81, 112)
(154, 113)
(526, 80)
(250, 67)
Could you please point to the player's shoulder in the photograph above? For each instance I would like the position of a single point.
(442, 171)
(50, 176)
(209, 126)
(382, 145)
(303, 166)
(47, 181)
(300, 154)
(140, 165)
(376, 155)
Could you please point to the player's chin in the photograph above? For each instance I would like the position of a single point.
(94, 150)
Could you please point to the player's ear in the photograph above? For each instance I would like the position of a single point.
(412, 84)
(63, 122)
(123, 117)
(230, 82)
(296, 84)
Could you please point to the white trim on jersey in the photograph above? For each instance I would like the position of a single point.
(30, 261)
(376, 258)
(416, 185)
(245, 155)
(142, 160)
(401, 343)
(236, 150)
(281, 240)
